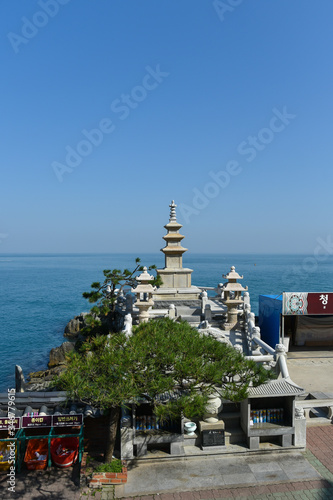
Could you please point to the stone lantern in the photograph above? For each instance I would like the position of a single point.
(144, 292)
(232, 296)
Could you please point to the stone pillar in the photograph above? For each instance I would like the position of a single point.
(126, 443)
(254, 346)
(280, 350)
(251, 322)
(172, 311)
(20, 382)
(129, 303)
(204, 299)
(232, 317)
(208, 313)
(300, 428)
(219, 290)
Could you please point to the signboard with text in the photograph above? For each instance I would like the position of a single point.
(36, 421)
(67, 420)
(301, 303)
(5, 422)
(213, 437)
(41, 421)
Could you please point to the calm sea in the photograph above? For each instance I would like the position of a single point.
(39, 294)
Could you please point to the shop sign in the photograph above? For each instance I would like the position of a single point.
(6, 422)
(67, 420)
(300, 303)
(320, 303)
(37, 421)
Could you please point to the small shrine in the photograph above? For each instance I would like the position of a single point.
(176, 279)
(144, 293)
(232, 297)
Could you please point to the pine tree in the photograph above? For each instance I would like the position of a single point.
(103, 317)
(162, 357)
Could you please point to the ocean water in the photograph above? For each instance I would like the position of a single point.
(39, 294)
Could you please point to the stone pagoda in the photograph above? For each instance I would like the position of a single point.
(176, 279)
(232, 297)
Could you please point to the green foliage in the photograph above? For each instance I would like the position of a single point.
(102, 317)
(114, 466)
(168, 363)
(163, 357)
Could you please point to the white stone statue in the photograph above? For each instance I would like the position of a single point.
(127, 325)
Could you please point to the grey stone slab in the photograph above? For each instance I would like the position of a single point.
(213, 472)
(247, 478)
(265, 467)
(151, 479)
(296, 462)
(271, 476)
(207, 481)
(228, 468)
(298, 475)
(299, 470)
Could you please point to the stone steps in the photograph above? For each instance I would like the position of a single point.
(233, 431)
(235, 436)
(231, 418)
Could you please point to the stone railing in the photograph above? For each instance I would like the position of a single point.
(307, 405)
(256, 346)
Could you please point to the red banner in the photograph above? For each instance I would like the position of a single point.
(320, 303)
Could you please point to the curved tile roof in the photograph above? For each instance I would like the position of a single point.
(279, 387)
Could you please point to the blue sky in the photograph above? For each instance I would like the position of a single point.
(111, 109)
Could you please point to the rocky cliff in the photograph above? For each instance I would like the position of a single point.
(41, 380)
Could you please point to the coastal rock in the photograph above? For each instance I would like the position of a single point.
(75, 325)
(45, 375)
(37, 381)
(58, 354)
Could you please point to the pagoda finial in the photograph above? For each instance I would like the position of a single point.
(173, 217)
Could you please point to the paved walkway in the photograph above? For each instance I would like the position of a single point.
(301, 476)
(306, 371)
(294, 475)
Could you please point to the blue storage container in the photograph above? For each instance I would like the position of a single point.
(270, 310)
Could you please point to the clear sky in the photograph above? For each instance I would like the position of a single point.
(110, 109)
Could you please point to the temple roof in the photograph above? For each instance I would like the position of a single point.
(279, 387)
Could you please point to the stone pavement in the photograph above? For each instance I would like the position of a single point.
(307, 475)
(311, 369)
(294, 475)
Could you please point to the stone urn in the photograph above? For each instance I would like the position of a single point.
(190, 428)
(214, 405)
